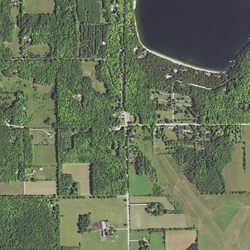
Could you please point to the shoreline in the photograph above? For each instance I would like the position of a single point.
(166, 57)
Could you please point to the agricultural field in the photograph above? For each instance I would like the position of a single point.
(44, 155)
(142, 220)
(139, 185)
(89, 70)
(39, 137)
(225, 214)
(113, 210)
(36, 6)
(163, 200)
(80, 173)
(235, 176)
(40, 188)
(180, 240)
(157, 241)
(11, 188)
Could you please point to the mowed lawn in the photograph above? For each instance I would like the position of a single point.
(179, 240)
(92, 240)
(138, 235)
(80, 172)
(40, 188)
(157, 241)
(40, 137)
(139, 185)
(142, 220)
(38, 6)
(44, 155)
(235, 176)
(111, 209)
(163, 200)
(69, 228)
(225, 214)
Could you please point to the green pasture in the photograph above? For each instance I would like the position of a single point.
(46, 173)
(142, 220)
(69, 228)
(89, 70)
(225, 214)
(206, 242)
(37, 6)
(157, 241)
(139, 185)
(138, 235)
(11, 188)
(92, 241)
(111, 209)
(134, 245)
(44, 155)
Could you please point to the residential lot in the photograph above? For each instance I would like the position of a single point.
(142, 220)
(80, 172)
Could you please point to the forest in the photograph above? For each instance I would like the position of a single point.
(28, 223)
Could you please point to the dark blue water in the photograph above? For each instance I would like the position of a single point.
(203, 33)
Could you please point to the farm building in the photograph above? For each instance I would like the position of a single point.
(103, 225)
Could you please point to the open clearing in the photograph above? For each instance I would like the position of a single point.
(235, 176)
(13, 188)
(162, 200)
(138, 235)
(157, 241)
(179, 240)
(134, 245)
(92, 241)
(37, 6)
(139, 185)
(111, 209)
(44, 155)
(38, 49)
(39, 137)
(69, 228)
(142, 220)
(225, 214)
(40, 188)
(80, 172)
(89, 70)
(48, 173)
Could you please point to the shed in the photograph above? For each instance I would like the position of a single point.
(103, 225)
(103, 233)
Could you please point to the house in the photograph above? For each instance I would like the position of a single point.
(14, 71)
(40, 168)
(103, 225)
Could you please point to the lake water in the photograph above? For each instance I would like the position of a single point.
(202, 33)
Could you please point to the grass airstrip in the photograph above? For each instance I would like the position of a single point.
(111, 209)
(80, 172)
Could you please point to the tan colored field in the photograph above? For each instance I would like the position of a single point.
(163, 200)
(142, 220)
(37, 6)
(80, 172)
(179, 240)
(69, 225)
(235, 176)
(13, 188)
(40, 188)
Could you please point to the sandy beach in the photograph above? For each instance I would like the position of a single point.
(166, 57)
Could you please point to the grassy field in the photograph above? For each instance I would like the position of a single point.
(92, 241)
(162, 200)
(38, 49)
(142, 220)
(44, 155)
(113, 209)
(157, 241)
(139, 185)
(80, 172)
(206, 242)
(179, 240)
(69, 228)
(40, 188)
(13, 188)
(39, 137)
(235, 176)
(138, 235)
(225, 214)
(46, 173)
(134, 245)
(165, 116)
(89, 70)
(36, 6)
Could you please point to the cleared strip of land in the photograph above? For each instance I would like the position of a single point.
(40, 188)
